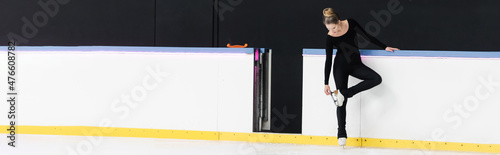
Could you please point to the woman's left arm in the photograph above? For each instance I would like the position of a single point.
(369, 37)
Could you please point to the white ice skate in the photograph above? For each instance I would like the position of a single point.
(338, 98)
(342, 141)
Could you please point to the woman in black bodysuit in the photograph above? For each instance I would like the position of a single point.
(342, 35)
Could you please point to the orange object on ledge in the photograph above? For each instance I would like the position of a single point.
(236, 46)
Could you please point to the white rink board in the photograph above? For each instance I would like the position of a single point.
(433, 99)
(183, 91)
(420, 98)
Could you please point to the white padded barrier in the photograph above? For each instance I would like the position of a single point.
(451, 96)
(205, 89)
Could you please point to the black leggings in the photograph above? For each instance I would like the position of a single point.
(341, 72)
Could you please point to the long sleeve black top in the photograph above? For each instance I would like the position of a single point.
(347, 46)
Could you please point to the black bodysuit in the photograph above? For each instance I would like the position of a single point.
(348, 62)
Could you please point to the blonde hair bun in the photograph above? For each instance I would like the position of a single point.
(328, 12)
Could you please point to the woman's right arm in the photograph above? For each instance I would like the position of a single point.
(328, 62)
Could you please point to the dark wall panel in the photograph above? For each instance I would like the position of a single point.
(81, 22)
(272, 24)
(421, 25)
(184, 23)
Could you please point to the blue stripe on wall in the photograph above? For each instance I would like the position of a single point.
(131, 49)
(416, 53)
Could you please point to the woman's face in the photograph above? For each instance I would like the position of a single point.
(333, 28)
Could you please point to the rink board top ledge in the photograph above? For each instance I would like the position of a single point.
(132, 49)
(414, 53)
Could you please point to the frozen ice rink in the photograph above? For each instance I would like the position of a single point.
(71, 145)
